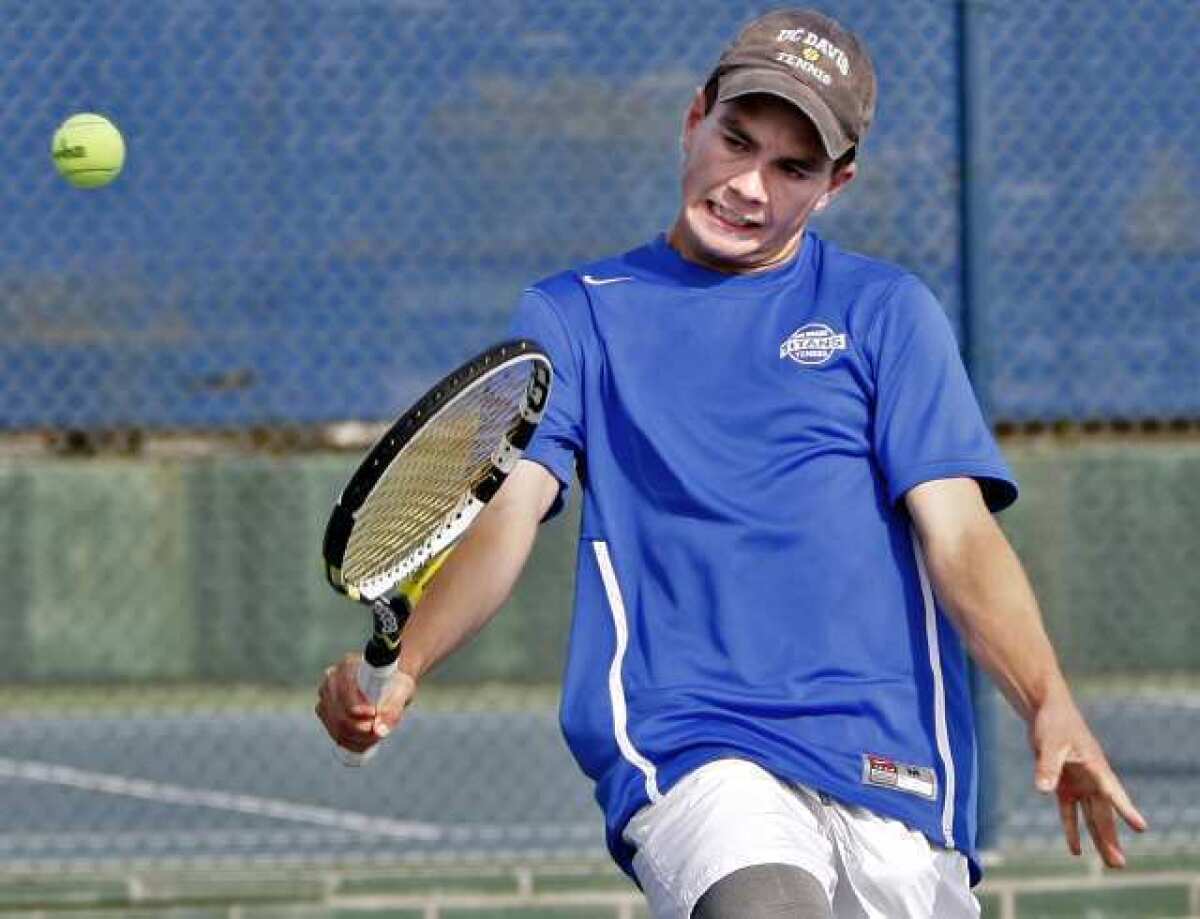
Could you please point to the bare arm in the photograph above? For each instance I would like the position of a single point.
(472, 585)
(983, 587)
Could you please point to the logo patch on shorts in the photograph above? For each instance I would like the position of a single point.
(813, 344)
(882, 772)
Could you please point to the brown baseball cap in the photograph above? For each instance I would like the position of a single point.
(813, 62)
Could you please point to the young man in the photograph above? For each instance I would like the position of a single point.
(787, 538)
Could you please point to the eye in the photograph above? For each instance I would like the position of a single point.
(733, 142)
(792, 171)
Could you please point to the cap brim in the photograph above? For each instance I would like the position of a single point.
(745, 81)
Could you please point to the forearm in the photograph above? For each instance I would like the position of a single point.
(479, 574)
(982, 585)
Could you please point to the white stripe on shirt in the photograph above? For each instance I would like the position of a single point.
(941, 728)
(616, 689)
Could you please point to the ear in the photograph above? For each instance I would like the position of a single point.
(837, 182)
(691, 120)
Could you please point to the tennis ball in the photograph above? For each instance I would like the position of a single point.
(88, 150)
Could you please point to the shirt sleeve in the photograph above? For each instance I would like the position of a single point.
(928, 424)
(557, 443)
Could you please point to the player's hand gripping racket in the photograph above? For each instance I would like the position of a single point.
(421, 487)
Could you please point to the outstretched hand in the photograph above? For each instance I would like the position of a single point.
(1071, 764)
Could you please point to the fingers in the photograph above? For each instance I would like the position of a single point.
(1101, 810)
(1071, 762)
(392, 706)
(347, 716)
(1049, 768)
(1094, 787)
(1070, 822)
(1103, 828)
(352, 735)
(1115, 792)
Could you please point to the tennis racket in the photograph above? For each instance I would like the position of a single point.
(420, 488)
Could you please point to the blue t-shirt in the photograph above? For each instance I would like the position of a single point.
(749, 583)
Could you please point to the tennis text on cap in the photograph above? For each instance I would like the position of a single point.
(813, 344)
(799, 63)
(818, 44)
(881, 772)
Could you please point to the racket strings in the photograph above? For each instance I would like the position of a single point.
(429, 481)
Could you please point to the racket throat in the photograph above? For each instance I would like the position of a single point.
(389, 616)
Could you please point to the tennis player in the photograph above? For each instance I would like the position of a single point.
(787, 542)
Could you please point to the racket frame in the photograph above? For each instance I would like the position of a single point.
(389, 614)
(390, 447)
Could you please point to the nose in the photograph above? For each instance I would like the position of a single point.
(749, 186)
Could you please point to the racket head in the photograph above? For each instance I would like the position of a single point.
(428, 476)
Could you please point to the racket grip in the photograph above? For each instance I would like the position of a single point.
(373, 681)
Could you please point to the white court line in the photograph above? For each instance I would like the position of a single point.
(73, 840)
(51, 774)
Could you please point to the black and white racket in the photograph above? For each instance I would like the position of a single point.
(420, 488)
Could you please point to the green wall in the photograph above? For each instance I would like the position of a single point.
(1109, 536)
(209, 569)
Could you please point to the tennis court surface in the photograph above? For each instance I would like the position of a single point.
(466, 811)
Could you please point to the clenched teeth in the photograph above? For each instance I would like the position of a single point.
(732, 216)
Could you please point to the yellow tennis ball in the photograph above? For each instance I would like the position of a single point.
(88, 150)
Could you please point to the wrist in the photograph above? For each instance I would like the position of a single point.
(1050, 692)
(411, 663)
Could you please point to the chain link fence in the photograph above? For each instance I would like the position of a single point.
(1083, 150)
(328, 204)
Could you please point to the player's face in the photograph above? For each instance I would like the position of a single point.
(754, 170)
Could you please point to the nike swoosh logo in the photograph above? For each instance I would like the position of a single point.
(600, 282)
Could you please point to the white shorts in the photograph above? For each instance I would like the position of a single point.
(731, 814)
